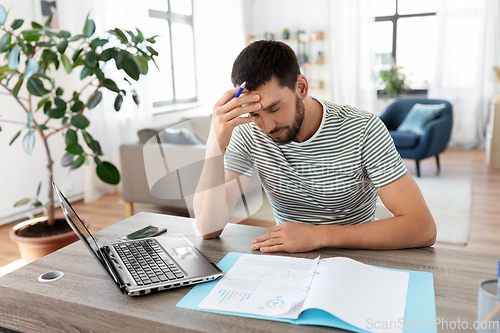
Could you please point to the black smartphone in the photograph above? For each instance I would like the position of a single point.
(148, 231)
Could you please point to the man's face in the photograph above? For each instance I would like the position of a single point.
(281, 114)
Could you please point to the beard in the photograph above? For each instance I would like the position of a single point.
(291, 131)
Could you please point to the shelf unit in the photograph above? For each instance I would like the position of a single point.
(309, 48)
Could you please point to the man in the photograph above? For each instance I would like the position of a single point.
(321, 165)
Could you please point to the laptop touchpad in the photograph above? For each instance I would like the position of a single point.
(184, 253)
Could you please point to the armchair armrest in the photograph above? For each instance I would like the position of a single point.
(435, 139)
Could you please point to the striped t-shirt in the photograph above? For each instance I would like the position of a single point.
(330, 178)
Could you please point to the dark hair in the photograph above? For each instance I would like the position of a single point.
(262, 60)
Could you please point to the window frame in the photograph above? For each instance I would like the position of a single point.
(394, 19)
(176, 104)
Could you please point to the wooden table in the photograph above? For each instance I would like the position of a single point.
(86, 299)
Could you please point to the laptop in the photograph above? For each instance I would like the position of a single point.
(146, 265)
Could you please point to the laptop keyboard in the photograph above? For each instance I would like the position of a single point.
(145, 264)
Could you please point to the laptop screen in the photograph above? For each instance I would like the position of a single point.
(83, 233)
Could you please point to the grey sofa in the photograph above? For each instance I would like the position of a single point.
(165, 174)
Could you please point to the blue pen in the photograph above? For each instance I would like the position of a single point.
(240, 89)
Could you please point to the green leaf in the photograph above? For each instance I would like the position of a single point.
(143, 64)
(47, 23)
(97, 160)
(47, 106)
(108, 173)
(98, 42)
(60, 104)
(74, 149)
(77, 163)
(86, 71)
(152, 51)
(14, 138)
(140, 37)
(71, 137)
(88, 139)
(87, 162)
(66, 63)
(56, 113)
(77, 106)
(18, 85)
(42, 127)
(45, 44)
(64, 121)
(89, 28)
(30, 118)
(80, 121)
(36, 25)
(3, 15)
(76, 54)
(50, 33)
(106, 55)
(37, 204)
(64, 34)
(38, 189)
(61, 47)
(75, 38)
(29, 142)
(5, 42)
(90, 59)
(131, 67)
(35, 87)
(97, 148)
(17, 24)
(22, 202)
(118, 102)
(48, 55)
(59, 91)
(111, 85)
(31, 68)
(99, 74)
(135, 97)
(152, 39)
(95, 100)
(67, 159)
(121, 36)
(42, 102)
(14, 57)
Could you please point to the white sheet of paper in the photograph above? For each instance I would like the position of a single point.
(263, 285)
(361, 295)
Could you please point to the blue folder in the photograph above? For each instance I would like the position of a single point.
(420, 310)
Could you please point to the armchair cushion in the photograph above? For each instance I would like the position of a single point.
(419, 116)
(405, 140)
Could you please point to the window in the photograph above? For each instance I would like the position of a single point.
(405, 33)
(175, 83)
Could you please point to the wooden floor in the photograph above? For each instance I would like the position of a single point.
(485, 219)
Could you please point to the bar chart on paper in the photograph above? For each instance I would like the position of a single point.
(233, 298)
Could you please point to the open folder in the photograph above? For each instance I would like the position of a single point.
(419, 313)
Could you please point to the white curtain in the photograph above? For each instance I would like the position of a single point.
(351, 62)
(109, 127)
(465, 60)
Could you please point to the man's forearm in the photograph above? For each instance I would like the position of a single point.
(210, 204)
(392, 233)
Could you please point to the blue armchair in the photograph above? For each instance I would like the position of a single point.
(414, 146)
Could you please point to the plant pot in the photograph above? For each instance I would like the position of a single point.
(33, 248)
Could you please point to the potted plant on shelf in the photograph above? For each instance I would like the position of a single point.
(31, 59)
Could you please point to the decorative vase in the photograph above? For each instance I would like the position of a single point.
(33, 248)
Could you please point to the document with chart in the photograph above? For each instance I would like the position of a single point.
(284, 287)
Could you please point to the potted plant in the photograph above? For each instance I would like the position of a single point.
(394, 81)
(285, 34)
(31, 59)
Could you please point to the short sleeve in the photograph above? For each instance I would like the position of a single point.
(380, 158)
(238, 155)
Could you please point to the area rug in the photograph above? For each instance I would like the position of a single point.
(449, 200)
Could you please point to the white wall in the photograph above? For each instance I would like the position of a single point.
(19, 172)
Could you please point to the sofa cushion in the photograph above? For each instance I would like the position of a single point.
(419, 116)
(199, 126)
(181, 136)
(404, 139)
